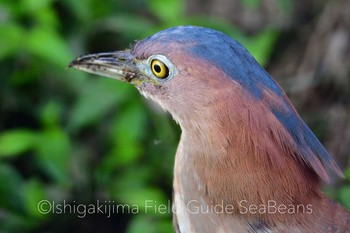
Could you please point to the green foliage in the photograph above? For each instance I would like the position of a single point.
(15, 142)
(148, 224)
(10, 39)
(57, 54)
(69, 137)
(251, 3)
(33, 192)
(344, 192)
(170, 12)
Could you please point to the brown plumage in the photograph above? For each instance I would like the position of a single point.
(246, 161)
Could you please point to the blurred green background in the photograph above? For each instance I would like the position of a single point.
(69, 137)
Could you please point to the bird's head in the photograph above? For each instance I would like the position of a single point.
(202, 77)
(183, 69)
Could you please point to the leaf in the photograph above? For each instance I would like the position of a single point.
(131, 26)
(33, 192)
(50, 114)
(35, 5)
(49, 46)
(169, 11)
(286, 6)
(11, 39)
(132, 188)
(147, 224)
(97, 97)
(10, 197)
(81, 9)
(347, 173)
(253, 4)
(141, 223)
(14, 222)
(15, 142)
(53, 151)
(130, 124)
(147, 199)
(344, 196)
(261, 45)
(116, 159)
(128, 130)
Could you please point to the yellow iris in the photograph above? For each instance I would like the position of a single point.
(159, 69)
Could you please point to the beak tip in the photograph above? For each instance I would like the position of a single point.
(73, 63)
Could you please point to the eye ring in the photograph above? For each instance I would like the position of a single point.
(159, 69)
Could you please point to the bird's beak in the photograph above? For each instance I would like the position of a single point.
(120, 65)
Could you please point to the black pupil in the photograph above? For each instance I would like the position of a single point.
(157, 68)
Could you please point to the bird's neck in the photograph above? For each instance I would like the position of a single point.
(223, 165)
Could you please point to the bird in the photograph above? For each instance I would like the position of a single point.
(246, 161)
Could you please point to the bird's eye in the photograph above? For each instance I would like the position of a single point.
(159, 69)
